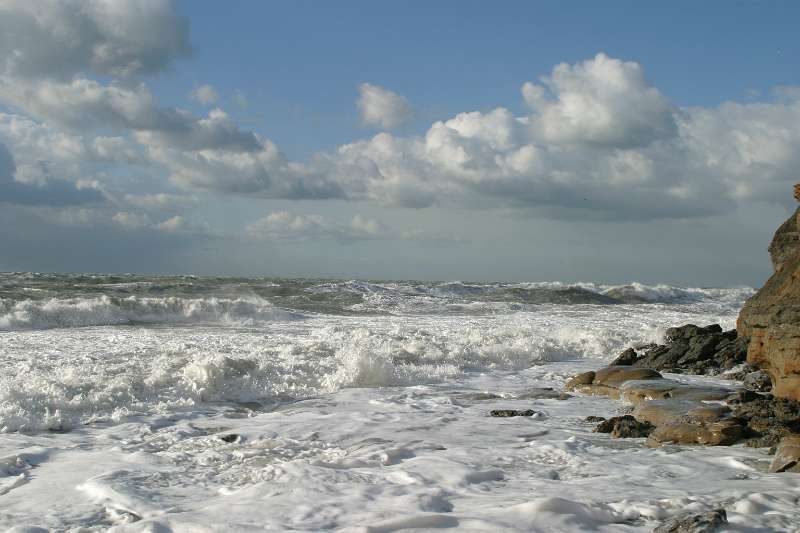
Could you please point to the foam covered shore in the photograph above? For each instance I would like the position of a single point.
(193, 404)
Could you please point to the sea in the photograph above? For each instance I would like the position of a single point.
(199, 404)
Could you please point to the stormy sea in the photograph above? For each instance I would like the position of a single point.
(133, 403)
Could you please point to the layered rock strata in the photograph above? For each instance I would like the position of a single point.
(771, 317)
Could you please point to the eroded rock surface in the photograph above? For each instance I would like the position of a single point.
(771, 317)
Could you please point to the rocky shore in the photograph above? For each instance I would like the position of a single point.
(759, 407)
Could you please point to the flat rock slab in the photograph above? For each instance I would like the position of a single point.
(659, 412)
(636, 391)
(721, 433)
(787, 456)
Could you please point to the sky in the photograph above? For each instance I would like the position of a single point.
(609, 142)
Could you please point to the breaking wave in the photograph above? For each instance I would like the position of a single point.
(109, 310)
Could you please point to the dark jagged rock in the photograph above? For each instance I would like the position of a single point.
(625, 427)
(230, 438)
(595, 419)
(507, 413)
(771, 317)
(695, 523)
(693, 350)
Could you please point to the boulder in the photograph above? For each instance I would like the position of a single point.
(787, 455)
(771, 317)
(607, 380)
(694, 350)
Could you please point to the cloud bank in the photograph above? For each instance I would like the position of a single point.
(285, 226)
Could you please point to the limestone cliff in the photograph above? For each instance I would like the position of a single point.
(771, 317)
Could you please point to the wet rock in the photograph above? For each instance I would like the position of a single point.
(626, 358)
(695, 523)
(660, 412)
(593, 418)
(230, 438)
(624, 427)
(787, 455)
(506, 413)
(771, 317)
(721, 433)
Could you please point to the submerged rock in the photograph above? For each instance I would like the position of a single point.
(506, 413)
(771, 317)
(695, 523)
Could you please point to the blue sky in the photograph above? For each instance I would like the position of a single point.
(473, 140)
(300, 62)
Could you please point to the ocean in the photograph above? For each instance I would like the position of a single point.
(136, 403)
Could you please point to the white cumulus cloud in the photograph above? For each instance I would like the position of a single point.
(381, 107)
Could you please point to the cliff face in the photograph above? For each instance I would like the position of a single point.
(771, 317)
